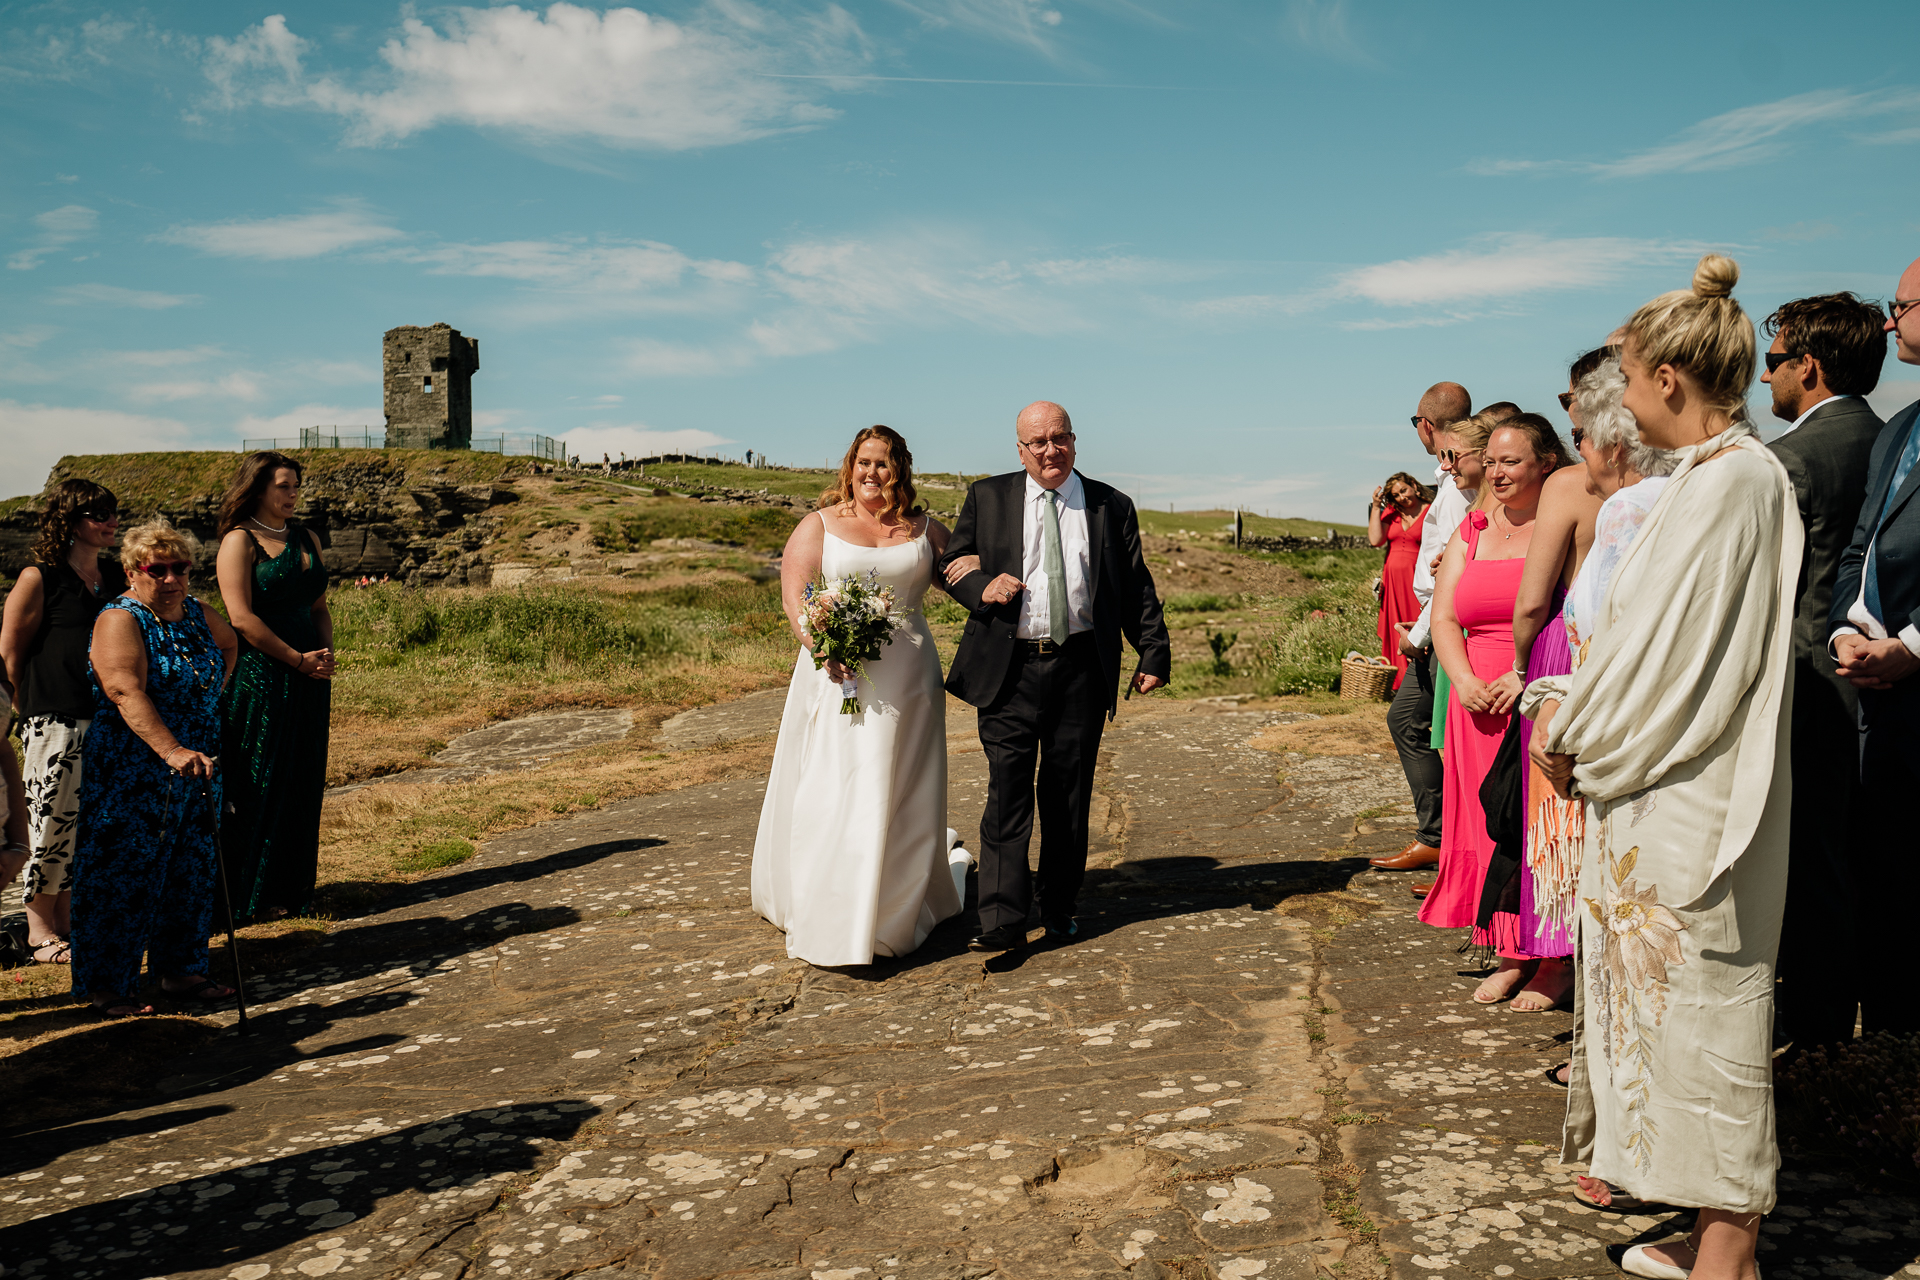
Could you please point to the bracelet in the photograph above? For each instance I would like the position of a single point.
(300, 664)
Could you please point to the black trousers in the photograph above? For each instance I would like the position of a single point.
(1047, 722)
(1410, 721)
(1817, 996)
(1879, 959)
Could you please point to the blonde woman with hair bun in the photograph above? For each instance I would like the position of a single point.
(1673, 731)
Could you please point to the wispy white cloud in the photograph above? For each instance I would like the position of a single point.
(38, 435)
(637, 440)
(288, 425)
(1506, 266)
(1745, 135)
(348, 225)
(621, 77)
(57, 228)
(234, 386)
(1324, 27)
(113, 295)
(1028, 23)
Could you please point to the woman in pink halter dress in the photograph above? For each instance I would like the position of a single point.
(1474, 595)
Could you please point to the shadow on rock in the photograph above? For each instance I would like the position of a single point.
(424, 1184)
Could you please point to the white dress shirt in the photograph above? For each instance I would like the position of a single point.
(1810, 412)
(1859, 615)
(1449, 507)
(1074, 549)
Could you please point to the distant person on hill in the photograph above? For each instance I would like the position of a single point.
(275, 745)
(851, 858)
(144, 864)
(1049, 565)
(1393, 521)
(43, 640)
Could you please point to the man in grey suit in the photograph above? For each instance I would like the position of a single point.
(1876, 640)
(1827, 352)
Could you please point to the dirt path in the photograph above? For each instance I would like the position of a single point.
(581, 1054)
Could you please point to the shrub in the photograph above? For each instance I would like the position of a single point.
(534, 626)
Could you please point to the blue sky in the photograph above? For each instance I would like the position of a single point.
(1236, 239)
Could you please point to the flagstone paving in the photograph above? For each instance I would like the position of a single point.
(581, 1055)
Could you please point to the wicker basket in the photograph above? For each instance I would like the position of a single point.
(1364, 681)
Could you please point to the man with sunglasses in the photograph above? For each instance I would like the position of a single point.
(1875, 621)
(1826, 354)
(1410, 718)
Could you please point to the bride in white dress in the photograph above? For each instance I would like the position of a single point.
(852, 855)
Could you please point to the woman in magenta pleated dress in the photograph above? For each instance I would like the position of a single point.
(1473, 600)
(1394, 521)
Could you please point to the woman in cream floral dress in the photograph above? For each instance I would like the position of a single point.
(1672, 728)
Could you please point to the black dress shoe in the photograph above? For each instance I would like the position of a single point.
(1060, 928)
(1008, 937)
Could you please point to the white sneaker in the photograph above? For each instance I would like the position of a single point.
(1637, 1262)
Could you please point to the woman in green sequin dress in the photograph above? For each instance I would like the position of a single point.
(274, 744)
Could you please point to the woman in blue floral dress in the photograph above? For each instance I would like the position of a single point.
(145, 858)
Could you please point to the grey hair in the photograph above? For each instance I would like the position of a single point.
(1606, 422)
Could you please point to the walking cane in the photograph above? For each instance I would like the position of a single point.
(226, 900)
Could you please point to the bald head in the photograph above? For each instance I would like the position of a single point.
(1501, 410)
(1445, 403)
(1039, 414)
(1906, 330)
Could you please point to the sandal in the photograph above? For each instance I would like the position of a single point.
(205, 991)
(1618, 1201)
(1553, 1075)
(62, 951)
(118, 1007)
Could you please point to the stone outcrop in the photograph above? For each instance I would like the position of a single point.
(374, 519)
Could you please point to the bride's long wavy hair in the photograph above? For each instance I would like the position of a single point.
(902, 498)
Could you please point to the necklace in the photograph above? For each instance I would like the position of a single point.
(269, 528)
(203, 679)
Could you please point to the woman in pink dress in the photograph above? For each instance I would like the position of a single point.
(1473, 601)
(1394, 522)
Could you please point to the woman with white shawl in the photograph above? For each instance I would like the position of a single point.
(1674, 730)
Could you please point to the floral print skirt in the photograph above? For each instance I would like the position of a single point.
(53, 799)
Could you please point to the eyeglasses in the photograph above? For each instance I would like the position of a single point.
(1050, 445)
(1777, 358)
(161, 570)
(1901, 306)
(1566, 401)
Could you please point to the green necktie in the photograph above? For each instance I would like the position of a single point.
(1055, 564)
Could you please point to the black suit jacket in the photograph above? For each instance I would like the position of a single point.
(1896, 538)
(1124, 599)
(1827, 457)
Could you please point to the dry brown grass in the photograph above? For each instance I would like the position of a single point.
(1361, 731)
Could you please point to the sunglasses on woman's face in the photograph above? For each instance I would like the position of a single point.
(161, 570)
(99, 515)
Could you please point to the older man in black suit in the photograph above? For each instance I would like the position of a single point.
(1875, 621)
(1049, 564)
(1827, 352)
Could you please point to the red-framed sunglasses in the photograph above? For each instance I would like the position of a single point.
(160, 570)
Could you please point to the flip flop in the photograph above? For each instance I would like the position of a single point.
(116, 1008)
(1553, 1075)
(205, 991)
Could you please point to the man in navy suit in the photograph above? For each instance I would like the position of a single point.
(1049, 565)
(1875, 623)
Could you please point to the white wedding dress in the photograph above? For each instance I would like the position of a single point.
(852, 856)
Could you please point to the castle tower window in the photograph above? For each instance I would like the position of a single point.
(428, 387)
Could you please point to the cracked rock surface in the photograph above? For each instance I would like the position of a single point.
(581, 1055)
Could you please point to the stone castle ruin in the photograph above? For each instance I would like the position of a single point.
(427, 374)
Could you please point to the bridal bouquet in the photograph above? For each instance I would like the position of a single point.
(849, 619)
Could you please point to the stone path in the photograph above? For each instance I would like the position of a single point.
(581, 1055)
(521, 743)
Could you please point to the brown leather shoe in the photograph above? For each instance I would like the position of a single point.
(1411, 858)
(1421, 890)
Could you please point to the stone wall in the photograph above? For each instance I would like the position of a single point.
(426, 374)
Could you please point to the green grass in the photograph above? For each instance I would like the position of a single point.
(1203, 525)
(634, 527)
(432, 857)
(1303, 655)
(1197, 602)
(533, 627)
